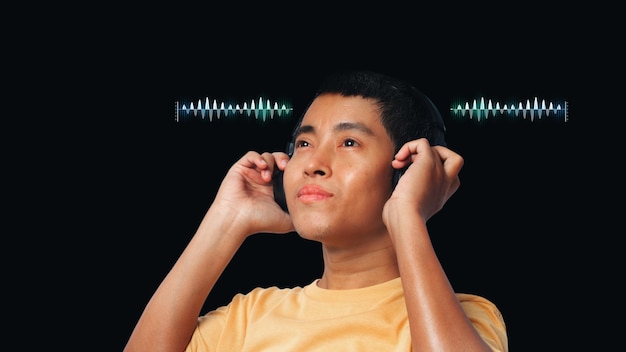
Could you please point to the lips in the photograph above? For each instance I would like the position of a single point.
(313, 193)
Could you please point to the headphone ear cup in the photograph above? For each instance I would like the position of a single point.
(277, 178)
(396, 176)
(279, 189)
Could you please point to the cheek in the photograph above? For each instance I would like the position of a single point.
(371, 183)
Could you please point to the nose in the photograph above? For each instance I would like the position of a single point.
(318, 163)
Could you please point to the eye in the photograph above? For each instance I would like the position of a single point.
(302, 143)
(350, 143)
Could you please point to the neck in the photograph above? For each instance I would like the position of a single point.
(353, 269)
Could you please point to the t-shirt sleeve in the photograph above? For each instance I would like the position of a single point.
(487, 320)
(208, 330)
(225, 328)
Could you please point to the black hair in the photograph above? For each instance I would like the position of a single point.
(406, 113)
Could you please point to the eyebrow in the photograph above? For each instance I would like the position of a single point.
(342, 126)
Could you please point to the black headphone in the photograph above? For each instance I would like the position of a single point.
(437, 138)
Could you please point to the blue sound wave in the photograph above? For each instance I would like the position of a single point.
(263, 109)
(481, 110)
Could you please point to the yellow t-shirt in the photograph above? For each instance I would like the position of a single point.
(311, 318)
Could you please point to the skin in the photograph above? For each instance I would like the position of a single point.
(338, 189)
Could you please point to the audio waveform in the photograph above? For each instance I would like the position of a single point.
(263, 109)
(481, 110)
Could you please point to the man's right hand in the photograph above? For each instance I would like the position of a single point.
(246, 195)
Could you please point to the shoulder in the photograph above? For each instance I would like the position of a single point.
(477, 307)
(487, 319)
(475, 300)
(265, 294)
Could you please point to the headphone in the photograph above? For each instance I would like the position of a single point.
(437, 138)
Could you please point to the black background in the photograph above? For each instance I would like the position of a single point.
(116, 186)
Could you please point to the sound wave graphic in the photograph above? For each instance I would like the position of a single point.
(263, 110)
(558, 110)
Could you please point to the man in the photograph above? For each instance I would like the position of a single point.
(367, 170)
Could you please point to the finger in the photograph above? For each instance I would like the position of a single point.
(412, 147)
(254, 165)
(452, 162)
(456, 183)
(253, 160)
(281, 159)
(406, 153)
(266, 172)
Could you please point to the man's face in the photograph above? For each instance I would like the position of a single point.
(339, 176)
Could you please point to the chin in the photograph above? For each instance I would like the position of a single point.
(311, 227)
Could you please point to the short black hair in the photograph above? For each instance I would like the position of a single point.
(406, 113)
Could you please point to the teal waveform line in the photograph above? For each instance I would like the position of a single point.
(479, 109)
(262, 109)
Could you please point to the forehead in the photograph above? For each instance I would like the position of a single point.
(328, 110)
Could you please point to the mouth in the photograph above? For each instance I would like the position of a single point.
(313, 193)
